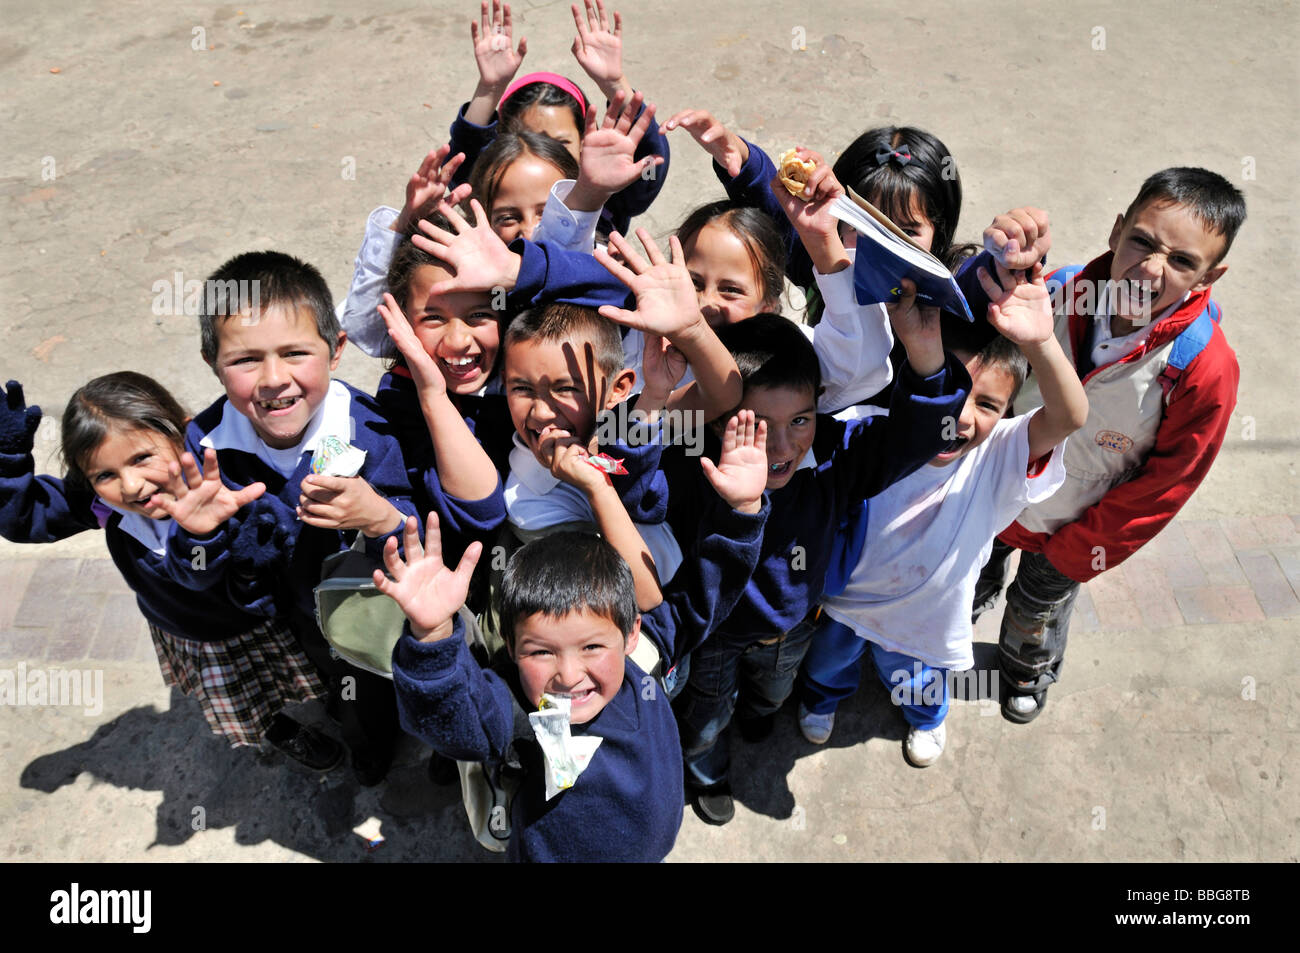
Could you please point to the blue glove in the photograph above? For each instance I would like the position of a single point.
(18, 422)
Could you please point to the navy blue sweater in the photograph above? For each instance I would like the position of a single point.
(627, 804)
(44, 509)
(472, 139)
(855, 460)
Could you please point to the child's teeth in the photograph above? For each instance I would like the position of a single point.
(460, 361)
(280, 404)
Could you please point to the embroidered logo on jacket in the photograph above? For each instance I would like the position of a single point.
(1114, 442)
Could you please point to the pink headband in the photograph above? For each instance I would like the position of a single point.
(555, 79)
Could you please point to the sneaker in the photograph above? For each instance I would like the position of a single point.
(816, 728)
(310, 748)
(925, 747)
(756, 729)
(1022, 709)
(714, 805)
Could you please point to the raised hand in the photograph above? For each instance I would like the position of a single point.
(428, 185)
(740, 476)
(666, 303)
(18, 422)
(1020, 310)
(1019, 239)
(727, 149)
(479, 257)
(811, 217)
(424, 369)
(662, 367)
(606, 164)
(917, 326)
(200, 501)
(598, 48)
(497, 62)
(339, 503)
(427, 591)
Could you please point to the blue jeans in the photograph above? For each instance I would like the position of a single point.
(724, 670)
(831, 673)
(1036, 621)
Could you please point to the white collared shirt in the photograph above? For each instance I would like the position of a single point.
(1106, 347)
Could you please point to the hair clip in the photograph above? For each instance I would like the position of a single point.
(903, 154)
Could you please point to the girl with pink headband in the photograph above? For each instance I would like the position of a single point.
(550, 103)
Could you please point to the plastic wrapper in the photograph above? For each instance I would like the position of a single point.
(564, 755)
(336, 457)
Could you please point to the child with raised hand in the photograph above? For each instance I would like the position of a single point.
(1141, 329)
(907, 594)
(123, 447)
(569, 606)
(551, 104)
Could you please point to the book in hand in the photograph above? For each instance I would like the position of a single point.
(885, 256)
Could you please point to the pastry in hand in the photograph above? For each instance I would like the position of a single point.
(795, 172)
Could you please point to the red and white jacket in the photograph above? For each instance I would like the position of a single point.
(1142, 453)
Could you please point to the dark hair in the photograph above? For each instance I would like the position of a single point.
(492, 163)
(754, 227)
(563, 573)
(1213, 200)
(121, 401)
(273, 278)
(571, 323)
(929, 179)
(510, 113)
(980, 340)
(771, 351)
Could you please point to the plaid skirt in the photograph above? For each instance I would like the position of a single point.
(240, 683)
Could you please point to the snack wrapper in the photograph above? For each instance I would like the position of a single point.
(335, 457)
(565, 756)
(794, 173)
(607, 464)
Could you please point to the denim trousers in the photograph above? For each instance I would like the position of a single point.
(831, 673)
(1036, 621)
(726, 673)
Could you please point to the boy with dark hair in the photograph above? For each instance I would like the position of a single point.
(818, 467)
(569, 606)
(913, 575)
(1142, 331)
(273, 350)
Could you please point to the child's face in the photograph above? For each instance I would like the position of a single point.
(580, 654)
(915, 224)
(276, 369)
(791, 415)
(1166, 246)
(557, 385)
(129, 470)
(990, 396)
(521, 197)
(460, 330)
(556, 122)
(727, 285)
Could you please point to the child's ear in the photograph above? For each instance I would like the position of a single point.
(620, 386)
(633, 637)
(1210, 277)
(338, 350)
(1115, 231)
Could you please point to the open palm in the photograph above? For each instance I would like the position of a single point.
(427, 591)
(740, 475)
(201, 502)
(1020, 310)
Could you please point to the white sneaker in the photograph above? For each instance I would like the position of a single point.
(816, 728)
(925, 747)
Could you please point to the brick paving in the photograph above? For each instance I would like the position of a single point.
(1196, 572)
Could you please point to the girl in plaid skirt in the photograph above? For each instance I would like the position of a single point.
(123, 449)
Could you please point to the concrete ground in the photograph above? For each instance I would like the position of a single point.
(143, 141)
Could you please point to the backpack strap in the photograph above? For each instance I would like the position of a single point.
(1187, 347)
(1060, 278)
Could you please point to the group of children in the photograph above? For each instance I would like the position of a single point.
(776, 499)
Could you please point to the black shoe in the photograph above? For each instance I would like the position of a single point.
(442, 771)
(1014, 707)
(310, 748)
(714, 805)
(756, 729)
(370, 765)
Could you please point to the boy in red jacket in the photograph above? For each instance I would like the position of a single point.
(1161, 382)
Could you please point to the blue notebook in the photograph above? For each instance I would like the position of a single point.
(886, 256)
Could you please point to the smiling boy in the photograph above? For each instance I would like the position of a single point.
(275, 363)
(1142, 330)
